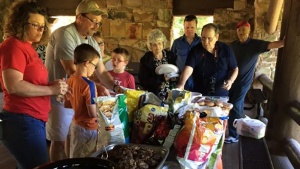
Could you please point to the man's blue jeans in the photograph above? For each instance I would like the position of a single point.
(25, 138)
(237, 96)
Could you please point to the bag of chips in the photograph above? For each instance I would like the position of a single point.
(113, 111)
(145, 120)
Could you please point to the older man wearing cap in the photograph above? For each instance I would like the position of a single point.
(60, 64)
(246, 51)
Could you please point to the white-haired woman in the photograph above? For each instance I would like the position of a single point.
(157, 56)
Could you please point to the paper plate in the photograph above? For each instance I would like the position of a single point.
(166, 68)
(171, 75)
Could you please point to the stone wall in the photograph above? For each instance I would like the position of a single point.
(129, 22)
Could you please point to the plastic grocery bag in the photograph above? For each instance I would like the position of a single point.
(250, 127)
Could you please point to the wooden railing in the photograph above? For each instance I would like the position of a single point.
(291, 146)
(267, 90)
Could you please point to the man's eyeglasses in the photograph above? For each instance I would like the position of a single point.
(101, 43)
(95, 23)
(38, 27)
(93, 64)
(207, 38)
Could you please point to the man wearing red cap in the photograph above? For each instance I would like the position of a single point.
(246, 51)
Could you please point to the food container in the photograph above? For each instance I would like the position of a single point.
(108, 150)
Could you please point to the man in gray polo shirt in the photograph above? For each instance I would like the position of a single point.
(60, 64)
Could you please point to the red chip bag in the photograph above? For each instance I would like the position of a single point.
(161, 132)
(189, 131)
(145, 121)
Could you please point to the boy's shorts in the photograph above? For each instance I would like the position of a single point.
(59, 121)
(82, 142)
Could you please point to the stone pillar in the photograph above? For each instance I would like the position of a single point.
(287, 79)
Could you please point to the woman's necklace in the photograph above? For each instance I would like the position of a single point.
(158, 56)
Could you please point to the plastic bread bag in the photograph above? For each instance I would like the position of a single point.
(145, 121)
(113, 111)
(194, 142)
(210, 111)
(250, 127)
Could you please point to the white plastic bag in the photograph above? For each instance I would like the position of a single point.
(250, 127)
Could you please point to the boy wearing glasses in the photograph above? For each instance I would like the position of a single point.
(83, 129)
(120, 58)
(182, 45)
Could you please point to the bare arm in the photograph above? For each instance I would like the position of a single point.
(69, 66)
(92, 110)
(187, 71)
(232, 76)
(276, 44)
(104, 76)
(14, 84)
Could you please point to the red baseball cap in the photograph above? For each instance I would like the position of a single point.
(243, 23)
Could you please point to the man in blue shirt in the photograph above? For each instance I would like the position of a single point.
(246, 51)
(211, 63)
(182, 45)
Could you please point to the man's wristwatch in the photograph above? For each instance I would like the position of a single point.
(114, 87)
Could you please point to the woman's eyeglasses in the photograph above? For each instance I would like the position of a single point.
(95, 23)
(38, 27)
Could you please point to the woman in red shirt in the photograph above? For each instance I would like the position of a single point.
(24, 81)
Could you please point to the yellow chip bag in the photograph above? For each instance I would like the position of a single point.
(132, 101)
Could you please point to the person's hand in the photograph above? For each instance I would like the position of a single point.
(227, 84)
(59, 87)
(102, 91)
(166, 77)
(69, 94)
(180, 86)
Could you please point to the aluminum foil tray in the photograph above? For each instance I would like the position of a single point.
(158, 151)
